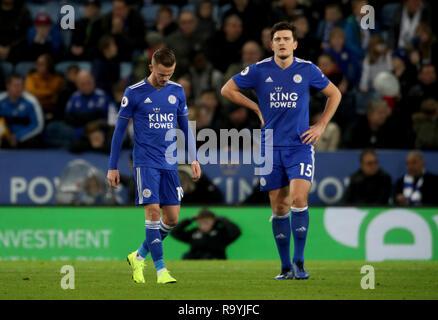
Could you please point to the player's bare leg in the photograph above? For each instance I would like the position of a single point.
(170, 215)
(280, 204)
(299, 191)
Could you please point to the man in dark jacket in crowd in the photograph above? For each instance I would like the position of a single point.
(417, 186)
(370, 185)
(210, 238)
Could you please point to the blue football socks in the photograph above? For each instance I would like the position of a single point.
(281, 229)
(143, 251)
(299, 225)
(154, 243)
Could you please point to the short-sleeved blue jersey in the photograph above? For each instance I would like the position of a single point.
(283, 96)
(154, 112)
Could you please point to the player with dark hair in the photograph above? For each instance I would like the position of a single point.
(155, 105)
(282, 84)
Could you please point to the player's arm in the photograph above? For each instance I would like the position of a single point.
(232, 92)
(189, 139)
(113, 174)
(183, 123)
(125, 113)
(333, 99)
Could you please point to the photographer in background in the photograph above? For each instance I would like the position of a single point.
(210, 238)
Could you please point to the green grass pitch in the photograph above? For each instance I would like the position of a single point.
(221, 280)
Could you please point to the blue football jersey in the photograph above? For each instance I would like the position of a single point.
(154, 112)
(283, 96)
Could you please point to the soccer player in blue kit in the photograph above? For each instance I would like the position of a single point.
(282, 85)
(155, 105)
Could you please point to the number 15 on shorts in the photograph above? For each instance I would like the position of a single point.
(307, 172)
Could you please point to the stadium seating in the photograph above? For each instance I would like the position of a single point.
(125, 70)
(24, 67)
(52, 8)
(387, 14)
(149, 13)
(63, 66)
(6, 67)
(105, 7)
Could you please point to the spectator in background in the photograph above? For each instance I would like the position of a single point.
(403, 70)
(203, 75)
(21, 113)
(417, 187)
(15, 21)
(426, 88)
(44, 38)
(45, 84)
(209, 112)
(287, 10)
(239, 118)
(330, 139)
(265, 40)
(126, 26)
(328, 66)
(87, 104)
(370, 185)
(332, 18)
(386, 85)
(155, 41)
(184, 41)
(97, 138)
(106, 67)
(164, 22)
(67, 91)
(82, 42)
(357, 37)
(251, 15)
(251, 53)
(424, 47)
(83, 184)
(210, 239)
(206, 23)
(224, 48)
(371, 130)
(426, 125)
(406, 20)
(199, 191)
(308, 46)
(346, 59)
(186, 83)
(378, 59)
(2, 77)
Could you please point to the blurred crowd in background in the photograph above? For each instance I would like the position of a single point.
(62, 88)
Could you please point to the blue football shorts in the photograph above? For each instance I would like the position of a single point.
(157, 186)
(289, 164)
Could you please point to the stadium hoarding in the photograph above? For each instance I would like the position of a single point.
(335, 233)
(35, 182)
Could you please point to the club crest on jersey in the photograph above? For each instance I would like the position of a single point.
(298, 78)
(124, 102)
(172, 99)
(147, 193)
(245, 71)
(156, 110)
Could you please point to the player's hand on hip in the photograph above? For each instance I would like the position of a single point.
(113, 177)
(196, 169)
(313, 134)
